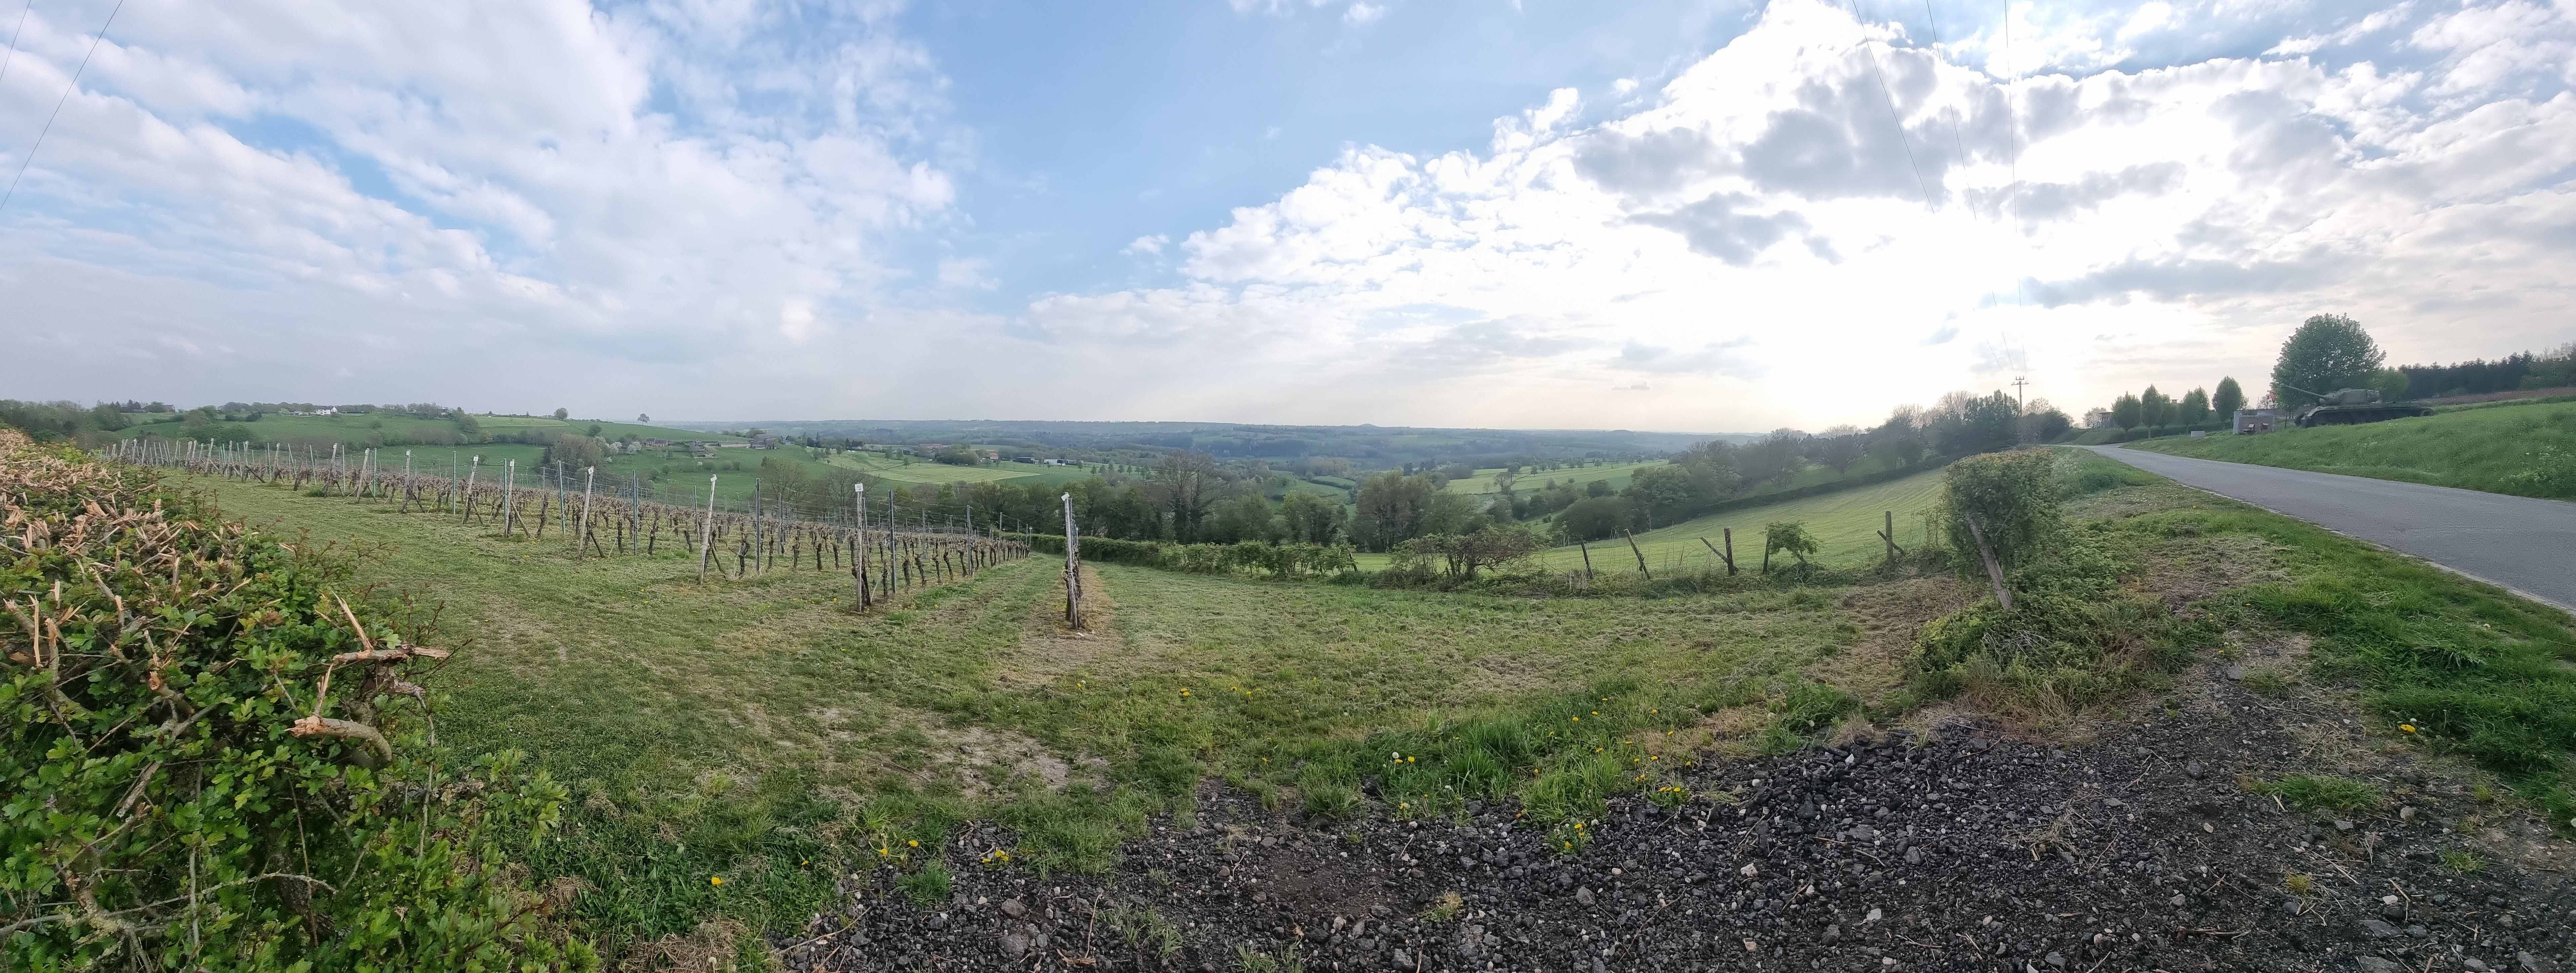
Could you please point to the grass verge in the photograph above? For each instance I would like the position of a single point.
(2519, 448)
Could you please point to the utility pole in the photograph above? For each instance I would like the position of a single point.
(2017, 383)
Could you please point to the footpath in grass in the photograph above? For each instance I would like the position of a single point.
(2524, 450)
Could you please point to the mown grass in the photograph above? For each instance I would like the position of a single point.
(2447, 663)
(758, 733)
(1845, 523)
(925, 471)
(2522, 449)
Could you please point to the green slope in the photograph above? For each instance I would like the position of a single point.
(2525, 450)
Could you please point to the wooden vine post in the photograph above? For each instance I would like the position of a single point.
(589, 478)
(1072, 567)
(706, 532)
(468, 495)
(859, 556)
(509, 486)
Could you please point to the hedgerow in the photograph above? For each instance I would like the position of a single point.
(218, 753)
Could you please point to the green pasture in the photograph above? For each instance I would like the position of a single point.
(924, 471)
(1845, 523)
(2522, 449)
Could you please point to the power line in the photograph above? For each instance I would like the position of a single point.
(1892, 116)
(13, 39)
(58, 102)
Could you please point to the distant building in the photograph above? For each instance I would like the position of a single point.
(2252, 421)
(762, 440)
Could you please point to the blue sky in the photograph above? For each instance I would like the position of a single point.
(1658, 215)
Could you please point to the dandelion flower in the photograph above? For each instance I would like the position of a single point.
(2408, 727)
(715, 880)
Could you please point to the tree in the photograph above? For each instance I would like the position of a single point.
(575, 453)
(1244, 518)
(2327, 353)
(2229, 398)
(2003, 506)
(1593, 518)
(1189, 485)
(2124, 411)
(2155, 410)
(2194, 408)
(1842, 451)
(563, 413)
(1964, 425)
(1790, 536)
(1773, 457)
(642, 418)
(1310, 519)
(2391, 384)
(2042, 422)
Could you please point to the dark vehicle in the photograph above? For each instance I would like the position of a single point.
(2352, 407)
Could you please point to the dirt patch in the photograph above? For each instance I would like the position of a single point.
(710, 948)
(1050, 650)
(2188, 569)
(984, 760)
(1889, 615)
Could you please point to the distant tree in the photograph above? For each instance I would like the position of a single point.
(958, 454)
(592, 431)
(468, 426)
(2327, 353)
(1842, 451)
(2193, 409)
(1391, 508)
(2155, 409)
(1594, 518)
(1310, 519)
(1457, 471)
(563, 413)
(2124, 411)
(2391, 384)
(1663, 494)
(1964, 425)
(2097, 418)
(575, 453)
(1244, 518)
(1771, 458)
(1189, 485)
(2229, 398)
(642, 418)
(2043, 423)
(105, 416)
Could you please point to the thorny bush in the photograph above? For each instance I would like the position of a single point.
(209, 764)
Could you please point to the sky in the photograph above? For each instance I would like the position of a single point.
(1663, 215)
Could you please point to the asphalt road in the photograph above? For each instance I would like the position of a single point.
(2520, 543)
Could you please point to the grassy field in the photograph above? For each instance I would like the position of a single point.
(2522, 449)
(760, 733)
(360, 429)
(1616, 474)
(706, 729)
(1845, 523)
(925, 471)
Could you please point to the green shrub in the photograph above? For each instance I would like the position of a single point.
(209, 765)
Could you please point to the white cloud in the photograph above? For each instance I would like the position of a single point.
(1363, 14)
(1760, 237)
(1152, 244)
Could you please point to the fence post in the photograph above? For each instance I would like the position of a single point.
(1072, 567)
(859, 559)
(467, 497)
(1641, 555)
(706, 531)
(407, 487)
(1730, 550)
(589, 478)
(509, 490)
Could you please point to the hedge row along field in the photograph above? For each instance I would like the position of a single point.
(218, 754)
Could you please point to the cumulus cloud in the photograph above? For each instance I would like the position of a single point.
(739, 201)
(2088, 226)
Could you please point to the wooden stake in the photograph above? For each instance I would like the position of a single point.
(706, 532)
(1072, 567)
(1641, 555)
(1721, 555)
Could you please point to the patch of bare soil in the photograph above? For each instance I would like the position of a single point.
(1050, 649)
(1889, 615)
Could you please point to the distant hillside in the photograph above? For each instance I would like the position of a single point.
(1368, 446)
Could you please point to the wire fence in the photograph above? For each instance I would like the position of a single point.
(887, 549)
